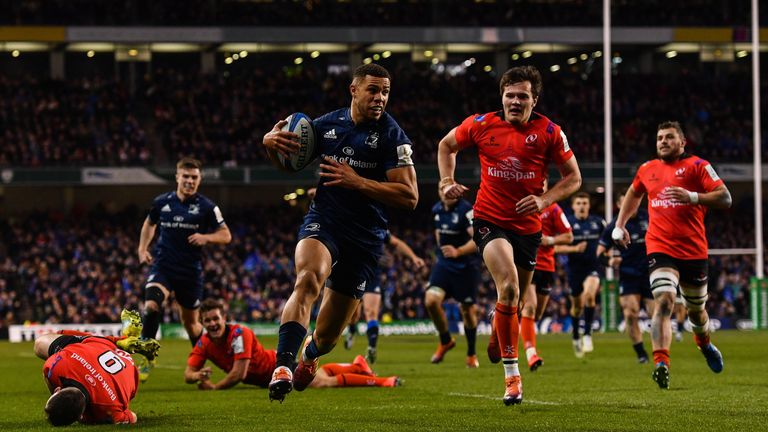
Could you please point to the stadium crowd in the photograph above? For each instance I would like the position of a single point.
(383, 12)
(221, 117)
(82, 121)
(82, 267)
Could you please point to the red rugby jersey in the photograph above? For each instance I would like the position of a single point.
(553, 223)
(240, 343)
(676, 229)
(106, 371)
(513, 162)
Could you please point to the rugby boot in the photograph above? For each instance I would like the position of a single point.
(144, 365)
(713, 356)
(513, 394)
(473, 362)
(535, 362)
(661, 375)
(393, 381)
(131, 321)
(439, 354)
(577, 351)
(281, 384)
(146, 347)
(306, 370)
(349, 340)
(363, 365)
(370, 355)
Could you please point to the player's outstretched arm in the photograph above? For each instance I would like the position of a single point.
(403, 249)
(570, 183)
(194, 374)
(400, 189)
(237, 374)
(446, 164)
(718, 198)
(220, 236)
(145, 238)
(628, 207)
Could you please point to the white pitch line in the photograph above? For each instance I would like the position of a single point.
(480, 396)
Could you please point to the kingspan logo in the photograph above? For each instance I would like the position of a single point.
(511, 169)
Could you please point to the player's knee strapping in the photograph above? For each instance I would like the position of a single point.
(695, 298)
(155, 294)
(663, 282)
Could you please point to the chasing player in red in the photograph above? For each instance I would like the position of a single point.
(680, 187)
(236, 350)
(515, 146)
(92, 378)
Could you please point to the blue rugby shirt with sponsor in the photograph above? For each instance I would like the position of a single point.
(634, 261)
(176, 221)
(452, 225)
(371, 149)
(588, 230)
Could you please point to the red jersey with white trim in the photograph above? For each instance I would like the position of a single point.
(105, 371)
(513, 163)
(676, 229)
(553, 223)
(240, 343)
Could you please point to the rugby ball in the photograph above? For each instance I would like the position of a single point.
(301, 125)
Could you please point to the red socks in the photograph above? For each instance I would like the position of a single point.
(507, 329)
(356, 380)
(661, 356)
(528, 331)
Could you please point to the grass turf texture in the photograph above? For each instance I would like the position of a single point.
(606, 391)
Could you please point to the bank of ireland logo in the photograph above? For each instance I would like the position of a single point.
(314, 226)
(349, 151)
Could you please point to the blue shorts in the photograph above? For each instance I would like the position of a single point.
(188, 289)
(355, 265)
(461, 285)
(576, 280)
(635, 285)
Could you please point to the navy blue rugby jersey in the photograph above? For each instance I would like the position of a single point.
(371, 148)
(452, 225)
(634, 261)
(588, 230)
(177, 220)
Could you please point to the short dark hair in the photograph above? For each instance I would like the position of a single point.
(210, 304)
(671, 124)
(65, 406)
(371, 69)
(580, 194)
(520, 74)
(189, 163)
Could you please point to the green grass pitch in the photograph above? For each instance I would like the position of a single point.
(607, 391)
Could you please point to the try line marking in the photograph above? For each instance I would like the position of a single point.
(480, 396)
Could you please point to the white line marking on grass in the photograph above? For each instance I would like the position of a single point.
(480, 396)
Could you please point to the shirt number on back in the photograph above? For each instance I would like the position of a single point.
(111, 362)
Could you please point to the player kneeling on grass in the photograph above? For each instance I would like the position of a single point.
(92, 378)
(236, 350)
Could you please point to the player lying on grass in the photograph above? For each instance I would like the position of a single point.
(237, 351)
(92, 378)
